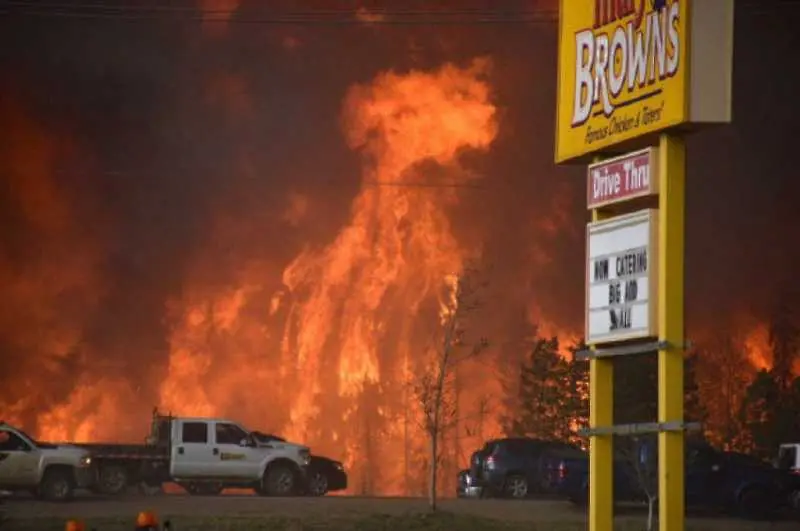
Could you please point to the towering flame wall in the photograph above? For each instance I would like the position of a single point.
(329, 357)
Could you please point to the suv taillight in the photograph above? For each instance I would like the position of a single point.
(562, 470)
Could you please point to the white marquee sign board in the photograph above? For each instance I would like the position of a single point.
(621, 278)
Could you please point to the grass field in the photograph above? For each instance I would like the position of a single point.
(339, 514)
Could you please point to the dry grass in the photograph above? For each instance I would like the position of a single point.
(338, 514)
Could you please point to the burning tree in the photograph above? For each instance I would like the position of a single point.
(434, 386)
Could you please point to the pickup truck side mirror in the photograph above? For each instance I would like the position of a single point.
(244, 442)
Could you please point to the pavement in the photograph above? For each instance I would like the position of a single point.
(173, 506)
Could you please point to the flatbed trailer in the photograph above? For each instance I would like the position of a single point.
(120, 466)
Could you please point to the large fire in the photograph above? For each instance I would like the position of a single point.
(320, 348)
(327, 358)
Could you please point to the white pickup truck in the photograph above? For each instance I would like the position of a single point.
(204, 456)
(789, 460)
(51, 471)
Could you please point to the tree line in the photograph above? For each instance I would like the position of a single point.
(740, 409)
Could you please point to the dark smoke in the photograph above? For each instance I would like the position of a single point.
(177, 129)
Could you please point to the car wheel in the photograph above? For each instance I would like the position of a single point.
(57, 485)
(279, 480)
(113, 479)
(755, 504)
(516, 487)
(318, 484)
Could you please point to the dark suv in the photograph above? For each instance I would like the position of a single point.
(519, 467)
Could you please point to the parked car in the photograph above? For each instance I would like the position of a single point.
(466, 486)
(735, 483)
(324, 475)
(519, 467)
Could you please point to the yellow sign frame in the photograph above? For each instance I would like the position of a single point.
(648, 99)
(696, 92)
(678, 77)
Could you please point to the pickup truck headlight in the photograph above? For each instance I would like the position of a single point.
(86, 460)
(305, 457)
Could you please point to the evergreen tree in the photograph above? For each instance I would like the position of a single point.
(542, 397)
(635, 389)
(769, 413)
(723, 372)
(769, 410)
(576, 405)
(784, 339)
(694, 409)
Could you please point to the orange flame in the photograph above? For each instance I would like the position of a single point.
(756, 343)
(354, 312)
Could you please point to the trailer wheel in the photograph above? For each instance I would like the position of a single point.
(113, 479)
(57, 485)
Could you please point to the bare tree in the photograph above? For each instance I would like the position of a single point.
(435, 396)
(641, 458)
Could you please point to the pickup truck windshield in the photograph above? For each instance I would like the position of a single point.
(267, 437)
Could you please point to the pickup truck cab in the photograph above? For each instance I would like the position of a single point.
(53, 472)
(208, 455)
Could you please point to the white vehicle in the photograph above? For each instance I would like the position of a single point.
(203, 455)
(789, 459)
(53, 472)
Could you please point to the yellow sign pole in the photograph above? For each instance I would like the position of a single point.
(671, 203)
(601, 447)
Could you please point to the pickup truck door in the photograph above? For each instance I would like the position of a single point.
(191, 454)
(234, 460)
(19, 461)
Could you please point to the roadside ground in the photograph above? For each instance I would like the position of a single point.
(232, 513)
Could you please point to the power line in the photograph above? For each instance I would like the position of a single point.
(316, 11)
(316, 16)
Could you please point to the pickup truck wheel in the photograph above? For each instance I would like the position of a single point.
(318, 484)
(113, 479)
(516, 487)
(279, 480)
(57, 485)
(755, 504)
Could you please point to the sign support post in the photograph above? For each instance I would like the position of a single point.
(601, 447)
(671, 212)
(633, 75)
